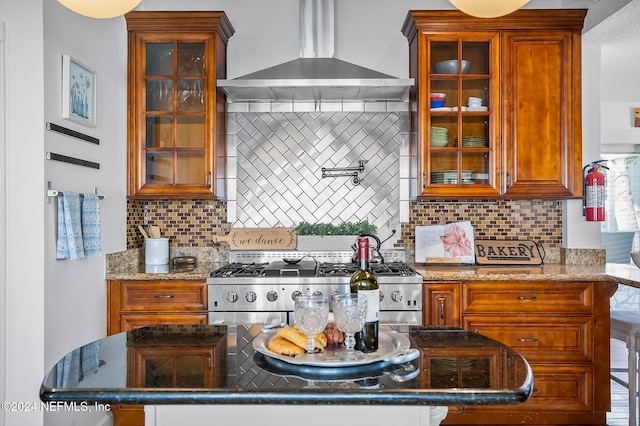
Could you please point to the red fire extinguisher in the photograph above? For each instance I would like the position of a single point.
(594, 192)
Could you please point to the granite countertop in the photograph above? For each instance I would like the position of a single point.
(140, 271)
(550, 272)
(579, 267)
(456, 367)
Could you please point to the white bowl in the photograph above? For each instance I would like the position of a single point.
(636, 258)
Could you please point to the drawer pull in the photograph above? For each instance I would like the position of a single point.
(527, 339)
(164, 296)
(527, 297)
(441, 300)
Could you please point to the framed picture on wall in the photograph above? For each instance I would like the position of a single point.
(78, 92)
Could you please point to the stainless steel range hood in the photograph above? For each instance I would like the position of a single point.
(316, 75)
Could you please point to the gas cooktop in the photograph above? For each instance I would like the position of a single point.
(308, 269)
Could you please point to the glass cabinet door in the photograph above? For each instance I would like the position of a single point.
(461, 132)
(175, 113)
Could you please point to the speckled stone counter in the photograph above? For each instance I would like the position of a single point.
(140, 271)
(551, 272)
(219, 365)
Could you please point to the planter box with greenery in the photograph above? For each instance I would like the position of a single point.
(326, 236)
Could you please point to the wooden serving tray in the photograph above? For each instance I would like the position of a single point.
(507, 252)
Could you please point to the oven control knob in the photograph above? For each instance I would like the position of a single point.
(272, 296)
(232, 297)
(251, 296)
(396, 296)
(295, 294)
(317, 293)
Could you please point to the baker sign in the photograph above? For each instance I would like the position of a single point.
(502, 252)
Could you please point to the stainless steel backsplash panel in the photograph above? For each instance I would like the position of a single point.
(279, 157)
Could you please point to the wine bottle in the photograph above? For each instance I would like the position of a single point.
(364, 282)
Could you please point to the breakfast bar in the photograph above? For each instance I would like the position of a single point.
(176, 367)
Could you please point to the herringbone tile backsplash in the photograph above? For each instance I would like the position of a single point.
(280, 157)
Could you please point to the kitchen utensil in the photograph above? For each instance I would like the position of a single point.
(349, 312)
(154, 232)
(394, 348)
(311, 316)
(143, 232)
(376, 257)
(451, 67)
(156, 251)
(438, 100)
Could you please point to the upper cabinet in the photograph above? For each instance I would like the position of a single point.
(510, 124)
(176, 118)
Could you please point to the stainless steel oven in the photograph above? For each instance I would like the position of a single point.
(260, 287)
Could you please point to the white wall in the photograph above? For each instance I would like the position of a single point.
(22, 318)
(577, 232)
(620, 96)
(75, 291)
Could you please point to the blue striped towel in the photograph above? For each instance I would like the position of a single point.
(91, 237)
(78, 226)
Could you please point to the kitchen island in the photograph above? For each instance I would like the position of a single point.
(171, 369)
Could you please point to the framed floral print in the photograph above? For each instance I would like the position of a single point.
(78, 92)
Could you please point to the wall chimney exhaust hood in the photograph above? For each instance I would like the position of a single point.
(316, 75)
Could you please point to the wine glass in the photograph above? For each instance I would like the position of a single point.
(311, 315)
(349, 313)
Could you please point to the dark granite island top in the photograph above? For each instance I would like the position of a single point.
(188, 364)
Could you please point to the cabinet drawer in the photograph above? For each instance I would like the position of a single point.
(557, 389)
(163, 296)
(130, 321)
(539, 339)
(526, 297)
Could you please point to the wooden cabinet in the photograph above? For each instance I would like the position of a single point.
(176, 119)
(441, 304)
(561, 328)
(134, 304)
(524, 140)
(176, 356)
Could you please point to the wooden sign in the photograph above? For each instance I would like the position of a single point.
(503, 252)
(260, 238)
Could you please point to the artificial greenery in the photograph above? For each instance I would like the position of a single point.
(345, 228)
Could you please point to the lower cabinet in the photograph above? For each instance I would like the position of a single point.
(133, 304)
(560, 327)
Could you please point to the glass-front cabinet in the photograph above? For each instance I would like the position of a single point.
(176, 119)
(496, 109)
(458, 112)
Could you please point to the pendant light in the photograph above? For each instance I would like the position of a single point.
(488, 8)
(100, 8)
